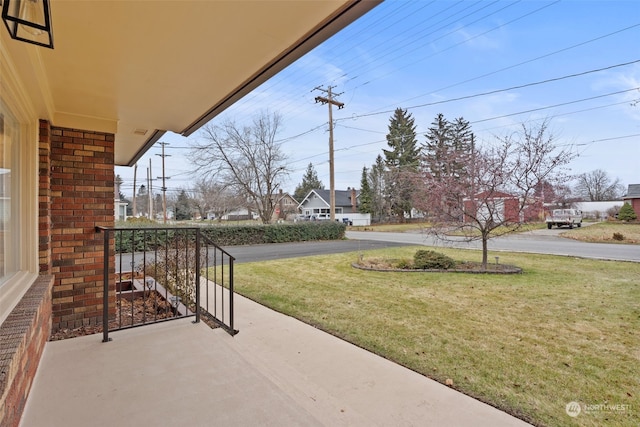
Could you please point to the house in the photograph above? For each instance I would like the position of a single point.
(316, 206)
(242, 214)
(286, 206)
(318, 202)
(633, 197)
(119, 76)
(120, 206)
(502, 207)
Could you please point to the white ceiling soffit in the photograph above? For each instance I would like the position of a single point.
(140, 68)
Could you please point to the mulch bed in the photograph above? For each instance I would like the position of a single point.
(144, 310)
(462, 267)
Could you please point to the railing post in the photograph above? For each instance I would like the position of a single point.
(105, 288)
(233, 331)
(198, 249)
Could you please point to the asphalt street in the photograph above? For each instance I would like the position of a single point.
(539, 241)
(272, 251)
(532, 242)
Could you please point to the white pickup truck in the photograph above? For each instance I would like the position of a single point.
(561, 217)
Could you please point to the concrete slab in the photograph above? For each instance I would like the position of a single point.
(174, 373)
(276, 372)
(341, 384)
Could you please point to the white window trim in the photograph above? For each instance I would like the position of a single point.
(15, 98)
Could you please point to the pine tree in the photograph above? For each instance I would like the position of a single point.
(310, 181)
(402, 160)
(627, 213)
(183, 206)
(377, 184)
(402, 140)
(436, 147)
(448, 147)
(462, 141)
(366, 198)
(448, 153)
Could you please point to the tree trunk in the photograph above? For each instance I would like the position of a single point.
(484, 251)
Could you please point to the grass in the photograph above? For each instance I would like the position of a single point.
(603, 232)
(567, 329)
(498, 231)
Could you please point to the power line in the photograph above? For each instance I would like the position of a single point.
(554, 106)
(493, 92)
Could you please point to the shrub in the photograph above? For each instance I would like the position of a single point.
(175, 269)
(627, 213)
(618, 236)
(146, 239)
(404, 264)
(427, 260)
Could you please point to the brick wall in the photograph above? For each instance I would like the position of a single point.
(22, 338)
(44, 198)
(82, 197)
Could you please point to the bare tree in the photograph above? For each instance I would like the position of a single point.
(497, 193)
(597, 186)
(245, 159)
(209, 196)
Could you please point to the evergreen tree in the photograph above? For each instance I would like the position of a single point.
(436, 147)
(448, 153)
(404, 152)
(462, 143)
(310, 181)
(183, 206)
(366, 198)
(142, 201)
(627, 213)
(402, 161)
(378, 189)
(448, 148)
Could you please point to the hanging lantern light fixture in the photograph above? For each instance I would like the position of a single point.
(28, 21)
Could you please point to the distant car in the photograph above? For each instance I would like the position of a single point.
(564, 217)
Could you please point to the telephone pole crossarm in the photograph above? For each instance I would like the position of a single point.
(324, 100)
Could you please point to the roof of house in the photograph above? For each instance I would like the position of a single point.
(633, 192)
(137, 69)
(343, 197)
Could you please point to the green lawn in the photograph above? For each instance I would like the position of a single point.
(565, 330)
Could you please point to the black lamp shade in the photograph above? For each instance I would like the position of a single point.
(28, 21)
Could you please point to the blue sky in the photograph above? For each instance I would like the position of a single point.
(485, 61)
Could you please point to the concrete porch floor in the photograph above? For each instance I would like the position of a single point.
(276, 372)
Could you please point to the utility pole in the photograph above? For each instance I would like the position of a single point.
(330, 101)
(135, 171)
(164, 186)
(150, 191)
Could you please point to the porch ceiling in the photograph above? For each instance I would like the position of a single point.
(139, 68)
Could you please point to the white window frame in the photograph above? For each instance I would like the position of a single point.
(24, 191)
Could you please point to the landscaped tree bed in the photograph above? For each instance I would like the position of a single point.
(430, 261)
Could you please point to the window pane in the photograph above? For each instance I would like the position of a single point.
(8, 134)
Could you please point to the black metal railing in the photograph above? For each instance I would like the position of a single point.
(153, 275)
